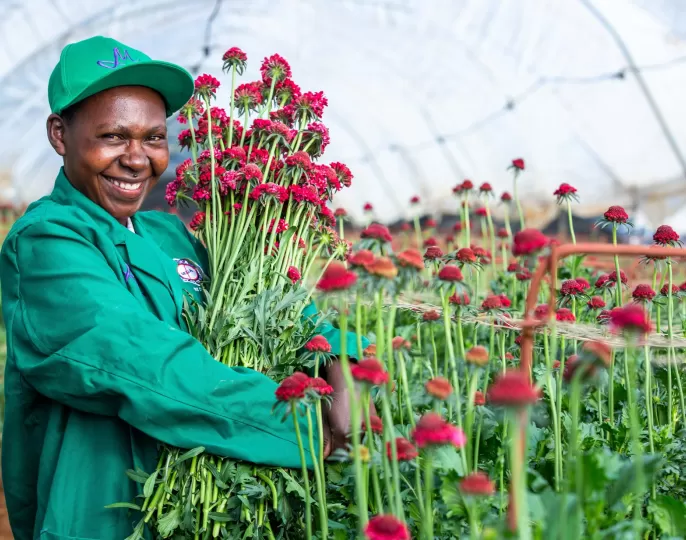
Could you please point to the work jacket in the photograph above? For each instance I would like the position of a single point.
(100, 368)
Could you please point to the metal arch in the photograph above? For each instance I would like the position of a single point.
(621, 45)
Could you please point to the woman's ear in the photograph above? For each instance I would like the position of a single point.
(56, 128)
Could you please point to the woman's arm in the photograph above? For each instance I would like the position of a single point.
(80, 338)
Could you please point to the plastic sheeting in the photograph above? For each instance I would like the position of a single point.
(421, 94)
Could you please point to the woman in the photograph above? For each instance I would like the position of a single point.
(99, 366)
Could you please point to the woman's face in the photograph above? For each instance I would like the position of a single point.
(114, 147)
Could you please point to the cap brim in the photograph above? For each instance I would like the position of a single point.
(173, 82)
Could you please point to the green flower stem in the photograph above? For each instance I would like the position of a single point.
(319, 480)
(618, 283)
(469, 419)
(635, 441)
(552, 392)
(433, 350)
(428, 528)
(517, 202)
(231, 99)
(491, 232)
(574, 449)
(475, 302)
(360, 493)
(417, 232)
(670, 334)
(506, 217)
(341, 228)
(648, 395)
(451, 360)
(303, 463)
(406, 387)
(503, 256)
(558, 413)
(571, 221)
(359, 330)
(370, 437)
(389, 340)
(611, 389)
(518, 459)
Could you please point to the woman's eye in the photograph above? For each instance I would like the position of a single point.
(156, 138)
(111, 136)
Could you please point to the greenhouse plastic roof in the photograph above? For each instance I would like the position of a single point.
(422, 94)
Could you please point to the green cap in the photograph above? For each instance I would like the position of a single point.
(99, 63)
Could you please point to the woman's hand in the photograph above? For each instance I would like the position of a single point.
(337, 417)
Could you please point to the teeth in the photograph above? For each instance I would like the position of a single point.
(126, 185)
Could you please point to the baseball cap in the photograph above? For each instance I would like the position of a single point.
(99, 63)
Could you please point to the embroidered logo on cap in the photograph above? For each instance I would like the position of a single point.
(119, 58)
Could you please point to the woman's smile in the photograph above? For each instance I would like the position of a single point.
(120, 188)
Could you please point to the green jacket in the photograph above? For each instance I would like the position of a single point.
(99, 368)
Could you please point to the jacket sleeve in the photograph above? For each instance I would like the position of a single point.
(81, 339)
(333, 334)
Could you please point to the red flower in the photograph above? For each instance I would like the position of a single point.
(612, 277)
(518, 164)
(461, 299)
(643, 293)
(399, 342)
(467, 185)
(666, 236)
(206, 85)
(596, 302)
(376, 424)
(478, 484)
(541, 312)
(410, 258)
(275, 67)
(293, 274)
(432, 253)
(479, 399)
(513, 389)
(477, 355)
(502, 233)
(457, 227)
(311, 103)
(368, 207)
(524, 275)
(405, 227)
(336, 278)
(406, 451)
(565, 315)
(465, 255)
(505, 301)
(320, 386)
(377, 232)
(450, 273)
(235, 57)
(485, 188)
(584, 283)
(513, 267)
(506, 197)
(430, 223)
(481, 212)
(571, 287)
(665, 290)
(602, 280)
(197, 221)
(529, 241)
(293, 387)
(361, 258)
(565, 190)
(431, 315)
(414, 199)
(318, 344)
(630, 318)
(439, 388)
(340, 212)
(386, 527)
(433, 430)
(369, 371)
(431, 241)
(382, 267)
(616, 214)
(492, 302)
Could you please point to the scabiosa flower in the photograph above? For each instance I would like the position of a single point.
(431, 315)
(321, 387)
(192, 108)
(433, 430)
(431, 241)
(198, 221)
(399, 342)
(465, 255)
(234, 58)
(505, 301)
(477, 355)
(602, 281)
(285, 92)
(518, 164)
(405, 227)
(666, 236)
(506, 197)
(340, 212)
(481, 211)
(565, 192)
(318, 343)
(410, 258)
(585, 285)
(643, 293)
(370, 371)
(523, 275)
(541, 312)
(439, 388)
(206, 85)
(664, 291)
(432, 253)
(336, 278)
(596, 302)
(459, 299)
(571, 287)
(386, 527)
(477, 484)
(293, 274)
(630, 318)
(529, 242)
(479, 399)
(502, 233)
(382, 267)
(247, 97)
(457, 226)
(450, 273)
(274, 68)
(616, 214)
(377, 232)
(269, 189)
(293, 387)
(612, 277)
(414, 200)
(376, 424)
(486, 188)
(565, 315)
(430, 223)
(513, 389)
(406, 451)
(492, 302)
(361, 258)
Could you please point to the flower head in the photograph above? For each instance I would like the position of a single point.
(571, 287)
(382, 267)
(518, 164)
(439, 388)
(235, 58)
(431, 315)
(431, 241)
(666, 236)
(465, 255)
(450, 273)
(596, 302)
(293, 387)
(198, 221)
(433, 430)
(406, 451)
(321, 387)
(477, 355)
(565, 315)
(505, 301)
(206, 85)
(612, 277)
(293, 274)
(631, 318)
(386, 527)
(414, 200)
(506, 197)
(410, 258)
(565, 192)
(318, 344)
(513, 389)
(361, 258)
(616, 214)
(528, 242)
(643, 293)
(367, 207)
(432, 253)
(370, 371)
(486, 188)
(477, 483)
(460, 299)
(467, 185)
(502, 233)
(375, 423)
(479, 399)
(274, 67)
(336, 278)
(377, 232)
(492, 302)
(399, 342)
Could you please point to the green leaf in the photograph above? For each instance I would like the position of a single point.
(190, 454)
(220, 517)
(149, 486)
(132, 506)
(448, 459)
(625, 481)
(670, 515)
(169, 522)
(137, 476)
